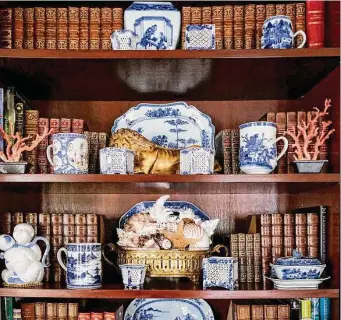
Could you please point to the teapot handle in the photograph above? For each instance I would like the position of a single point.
(112, 248)
(217, 248)
(35, 240)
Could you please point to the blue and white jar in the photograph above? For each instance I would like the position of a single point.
(70, 153)
(116, 160)
(133, 275)
(220, 272)
(258, 150)
(84, 265)
(196, 161)
(157, 24)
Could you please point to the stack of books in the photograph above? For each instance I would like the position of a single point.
(96, 142)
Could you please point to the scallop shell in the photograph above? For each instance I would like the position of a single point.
(193, 231)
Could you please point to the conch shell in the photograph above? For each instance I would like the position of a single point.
(193, 231)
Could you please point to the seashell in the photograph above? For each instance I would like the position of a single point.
(193, 231)
(209, 226)
(139, 223)
(159, 212)
(201, 244)
(126, 239)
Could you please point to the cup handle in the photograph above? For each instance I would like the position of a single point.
(112, 248)
(48, 154)
(285, 148)
(302, 33)
(59, 257)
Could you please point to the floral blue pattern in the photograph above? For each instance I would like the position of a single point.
(297, 273)
(163, 112)
(143, 6)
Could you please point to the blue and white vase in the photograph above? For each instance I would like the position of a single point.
(157, 24)
(278, 34)
(133, 275)
(116, 160)
(84, 265)
(200, 37)
(196, 161)
(258, 150)
(70, 153)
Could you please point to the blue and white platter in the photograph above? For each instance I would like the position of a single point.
(169, 309)
(174, 125)
(297, 284)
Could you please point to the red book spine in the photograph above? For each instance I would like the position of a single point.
(315, 24)
(333, 24)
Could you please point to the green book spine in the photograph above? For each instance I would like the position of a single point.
(8, 308)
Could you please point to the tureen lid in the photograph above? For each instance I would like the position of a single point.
(297, 259)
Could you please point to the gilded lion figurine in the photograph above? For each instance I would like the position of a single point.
(149, 157)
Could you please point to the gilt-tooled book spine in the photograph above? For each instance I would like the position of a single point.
(238, 27)
(250, 270)
(291, 127)
(84, 28)
(109, 316)
(301, 233)
(42, 158)
(234, 245)
(257, 312)
(227, 150)
(266, 242)
(27, 311)
(281, 122)
(260, 18)
(31, 128)
(289, 234)
(250, 26)
(72, 311)
(80, 228)
(270, 10)
(44, 230)
(206, 13)
(93, 152)
(19, 118)
(39, 310)
(313, 234)
(18, 28)
(39, 28)
(333, 24)
(280, 9)
(92, 228)
(217, 20)
(324, 148)
(196, 15)
(242, 257)
(106, 28)
(117, 14)
(65, 125)
(55, 125)
(9, 111)
(228, 26)
(77, 125)
(5, 223)
(315, 13)
(96, 316)
(51, 311)
(73, 23)
(290, 11)
(270, 312)
(56, 244)
(235, 151)
(300, 20)
(28, 28)
(51, 28)
(283, 312)
(323, 233)
(185, 20)
(84, 316)
(6, 24)
(62, 311)
(17, 217)
(276, 236)
(242, 311)
(68, 228)
(257, 259)
(8, 304)
(95, 29)
(62, 28)
(32, 219)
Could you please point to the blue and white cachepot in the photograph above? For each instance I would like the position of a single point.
(258, 150)
(124, 40)
(278, 34)
(196, 161)
(220, 272)
(116, 160)
(70, 153)
(133, 275)
(157, 24)
(84, 265)
(200, 37)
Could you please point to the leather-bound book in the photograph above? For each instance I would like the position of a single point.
(270, 312)
(223, 143)
(51, 311)
(315, 21)
(277, 233)
(96, 316)
(62, 313)
(250, 271)
(241, 311)
(260, 18)
(250, 26)
(65, 125)
(313, 234)
(235, 151)
(281, 122)
(196, 15)
(280, 9)
(109, 316)
(42, 158)
(77, 125)
(301, 233)
(17, 217)
(51, 28)
(6, 25)
(68, 228)
(72, 311)
(266, 242)
(62, 28)
(106, 28)
(40, 310)
(28, 28)
(289, 234)
(39, 28)
(206, 13)
(31, 128)
(56, 244)
(5, 223)
(290, 11)
(117, 14)
(84, 28)
(333, 24)
(238, 31)
(92, 228)
(73, 23)
(270, 10)
(32, 219)
(300, 20)
(217, 20)
(27, 311)
(84, 316)
(88, 139)
(291, 126)
(228, 26)
(18, 28)
(80, 228)
(95, 29)
(185, 20)
(19, 118)
(324, 148)
(257, 256)
(234, 248)
(257, 312)
(44, 230)
(55, 125)
(242, 257)
(283, 312)
(93, 152)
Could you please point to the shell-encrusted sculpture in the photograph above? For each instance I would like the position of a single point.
(193, 231)
(141, 223)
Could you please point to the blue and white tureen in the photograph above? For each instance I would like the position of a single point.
(157, 24)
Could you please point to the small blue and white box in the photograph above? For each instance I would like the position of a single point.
(133, 275)
(116, 160)
(220, 272)
(196, 161)
(200, 37)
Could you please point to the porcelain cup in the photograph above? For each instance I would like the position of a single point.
(133, 275)
(84, 265)
(278, 34)
(258, 150)
(70, 153)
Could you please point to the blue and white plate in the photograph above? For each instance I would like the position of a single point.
(169, 309)
(297, 284)
(174, 125)
(175, 206)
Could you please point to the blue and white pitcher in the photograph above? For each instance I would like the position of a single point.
(258, 150)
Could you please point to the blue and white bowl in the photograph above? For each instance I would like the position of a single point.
(298, 272)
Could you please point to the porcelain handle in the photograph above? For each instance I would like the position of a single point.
(59, 257)
(285, 140)
(217, 249)
(43, 260)
(48, 154)
(112, 248)
(302, 33)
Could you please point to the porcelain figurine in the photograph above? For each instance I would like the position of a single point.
(157, 24)
(22, 256)
(116, 160)
(196, 161)
(124, 40)
(200, 37)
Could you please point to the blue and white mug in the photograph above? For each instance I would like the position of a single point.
(84, 265)
(278, 34)
(70, 153)
(258, 150)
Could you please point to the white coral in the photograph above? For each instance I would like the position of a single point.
(159, 212)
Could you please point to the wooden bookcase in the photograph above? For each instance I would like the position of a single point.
(240, 86)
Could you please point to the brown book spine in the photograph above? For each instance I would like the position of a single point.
(17, 217)
(65, 125)
(283, 312)
(96, 316)
(32, 219)
(266, 242)
(84, 28)
(42, 158)
(281, 122)
(280, 9)
(217, 19)
(88, 139)
(55, 125)
(301, 116)
(62, 28)
(73, 24)
(72, 311)
(260, 18)
(271, 117)
(291, 127)
(44, 230)
(228, 26)
(68, 228)
(39, 28)
(31, 128)
(257, 261)
(289, 234)
(80, 228)
(196, 15)
(277, 234)
(18, 28)
(270, 10)
(301, 233)
(51, 311)
(40, 310)
(249, 247)
(185, 20)
(270, 311)
(242, 311)
(106, 28)
(206, 15)
(56, 244)
(5, 223)
(311, 146)
(28, 28)
(290, 11)
(27, 311)
(51, 28)
(234, 245)
(300, 20)
(95, 29)
(235, 151)
(84, 316)
(313, 234)
(62, 313)
(324, 148)
(250, 26)
(93, 152)
(109, 315)
(227, 150)
(242, 257)
(117, 14)
(6, 25)
(257, 312)
(77, 125)
(238, 31)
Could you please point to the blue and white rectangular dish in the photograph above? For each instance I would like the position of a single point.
(200, 37)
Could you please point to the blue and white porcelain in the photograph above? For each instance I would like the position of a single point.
(173, 125)
(116, 160)
(258, 150)
(220, 272)
(278, 34)
(157, 24)
(297, 284)
(169, 309)
(124, 40)
(84, 265)
(196, 161)
(200, 37)
(133, 275)
(70, 153)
